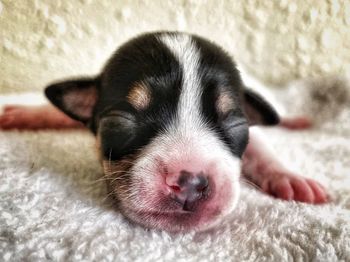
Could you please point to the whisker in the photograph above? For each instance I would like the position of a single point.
(109, 158)
(116, 172)
(104, 179)
(110, 194)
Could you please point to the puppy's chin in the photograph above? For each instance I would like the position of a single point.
(170, 218)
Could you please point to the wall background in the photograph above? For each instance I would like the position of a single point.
(276, 41)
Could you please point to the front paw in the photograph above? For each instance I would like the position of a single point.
(289, 186)
(13, 117)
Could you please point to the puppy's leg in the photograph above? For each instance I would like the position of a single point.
(264, 170)
(35, 117)
(296, 123)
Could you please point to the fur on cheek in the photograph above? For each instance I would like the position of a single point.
(118, 177)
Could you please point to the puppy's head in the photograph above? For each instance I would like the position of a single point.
(171, 116)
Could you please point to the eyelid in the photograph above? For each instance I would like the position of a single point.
(119, 113)
(233, 118)
(236, 123)
(240, 122)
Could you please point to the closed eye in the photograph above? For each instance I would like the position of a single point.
(121, 114)
(235, 134)
(234, 123)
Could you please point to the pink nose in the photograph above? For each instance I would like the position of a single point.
(188, 189)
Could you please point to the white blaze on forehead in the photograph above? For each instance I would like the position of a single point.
(183, 48)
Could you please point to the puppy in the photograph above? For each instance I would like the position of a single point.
(171, 117)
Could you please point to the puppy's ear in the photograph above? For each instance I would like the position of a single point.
(76, 98)
(257, 110)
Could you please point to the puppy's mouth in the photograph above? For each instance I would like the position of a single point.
(174, 221)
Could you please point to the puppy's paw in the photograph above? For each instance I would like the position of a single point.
(296, 123)
(35, 117)
(289, 186)
(15, 117)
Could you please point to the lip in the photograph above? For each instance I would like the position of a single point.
(172, 221)
(159, 213)
(168, 217)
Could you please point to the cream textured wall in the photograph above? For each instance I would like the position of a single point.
(276, 41)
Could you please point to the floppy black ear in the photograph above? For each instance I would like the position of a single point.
(76, 98)
(258, 110)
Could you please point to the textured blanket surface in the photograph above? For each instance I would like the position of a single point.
(53, 206)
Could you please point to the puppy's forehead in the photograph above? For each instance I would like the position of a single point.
(188, 56)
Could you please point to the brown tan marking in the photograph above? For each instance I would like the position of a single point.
(139, 96)
(224, 103)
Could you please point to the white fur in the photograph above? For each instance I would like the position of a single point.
(189, 115)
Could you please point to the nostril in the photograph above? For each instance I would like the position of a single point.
(202, 183)
(175, 188)
(200, 189)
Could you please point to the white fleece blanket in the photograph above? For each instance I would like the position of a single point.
(53, 206)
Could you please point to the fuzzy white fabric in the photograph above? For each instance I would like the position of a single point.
(53, 205)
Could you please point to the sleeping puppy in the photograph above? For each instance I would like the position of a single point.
(171, 117)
